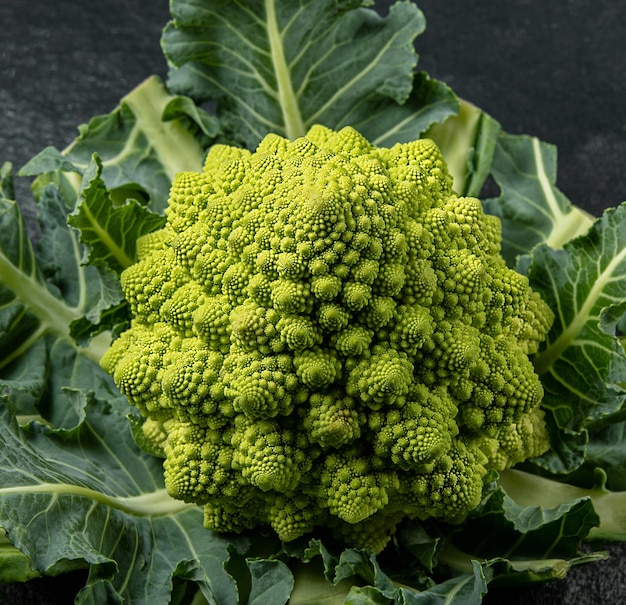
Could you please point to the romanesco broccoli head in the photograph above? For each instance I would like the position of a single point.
(325, 334)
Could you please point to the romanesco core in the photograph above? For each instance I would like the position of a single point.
(324, 334)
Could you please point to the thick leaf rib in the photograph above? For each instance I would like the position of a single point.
(287, 99)
(154, 504)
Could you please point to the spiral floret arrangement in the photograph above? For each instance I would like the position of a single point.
(325, 334)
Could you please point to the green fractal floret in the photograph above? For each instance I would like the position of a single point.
(325, 334)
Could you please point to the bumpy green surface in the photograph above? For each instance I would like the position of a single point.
(325, 334)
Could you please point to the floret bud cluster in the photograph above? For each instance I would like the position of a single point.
(326, 334)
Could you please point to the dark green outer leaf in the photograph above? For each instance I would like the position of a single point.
(465, 589)
(365, 595)
(419, 543)
(606, 449)
(283, 66)
(583, 362)
(557, 497)
(89, 291)
(42, 298)
(358, 574)
(18, 274)
(49, 159)
(364, 564)
(504, 574)
(272, 582)
(385, 124)
(502, 528)
(109, 231)
(95, 497)
(100, 591)
(183, 108)
(312, 587)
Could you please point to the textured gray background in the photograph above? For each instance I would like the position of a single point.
(553, 69)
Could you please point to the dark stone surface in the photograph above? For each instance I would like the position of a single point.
(553, 69)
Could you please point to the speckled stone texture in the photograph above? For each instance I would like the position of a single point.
(553, 69)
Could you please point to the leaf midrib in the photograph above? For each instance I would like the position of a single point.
(566, 224)
(288, 101)
(105, 237)
(545, 360)
(152, 504)
(53, 314)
